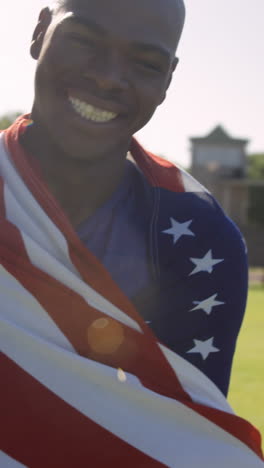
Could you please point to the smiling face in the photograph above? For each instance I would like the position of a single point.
(103, 68)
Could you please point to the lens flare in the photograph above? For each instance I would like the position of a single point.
(105, 336)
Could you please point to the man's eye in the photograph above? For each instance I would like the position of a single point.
(81, 40)
(150, 66)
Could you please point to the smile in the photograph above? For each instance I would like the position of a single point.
(90, 112)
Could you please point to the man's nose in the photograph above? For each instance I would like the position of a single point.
(108, 71)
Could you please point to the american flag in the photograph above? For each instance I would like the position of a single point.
(202, 271)
(85, 382)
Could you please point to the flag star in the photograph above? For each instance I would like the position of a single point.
(207, 305)
(204, 348)
(178, 230)
(205, 263)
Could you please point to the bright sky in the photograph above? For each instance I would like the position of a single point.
(220, 78)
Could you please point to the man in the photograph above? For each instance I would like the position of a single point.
(113, 261)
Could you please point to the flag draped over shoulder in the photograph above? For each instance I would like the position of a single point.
(84, 380)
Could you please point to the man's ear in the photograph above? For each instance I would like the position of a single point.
(40, 31)
(172, 70)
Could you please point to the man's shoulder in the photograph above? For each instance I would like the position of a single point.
(182, 196)
(162, 173)
(196, 203)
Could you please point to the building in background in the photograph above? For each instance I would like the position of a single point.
(219, 162)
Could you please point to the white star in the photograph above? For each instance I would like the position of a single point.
(204, 348)
(178, 230)
(207, 304)
(205, 263)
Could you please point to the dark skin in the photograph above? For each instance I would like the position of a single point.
(123, 67)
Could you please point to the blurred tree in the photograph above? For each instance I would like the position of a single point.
(256, 166)
(7, 119)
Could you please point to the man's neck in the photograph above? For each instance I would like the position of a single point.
(79, 186)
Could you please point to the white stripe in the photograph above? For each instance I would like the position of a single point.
(190, 184)
(24, 211)
(160, 427)
(24, 311)
(201, 389)
(45, 244)
(52, 267)
(8, 462)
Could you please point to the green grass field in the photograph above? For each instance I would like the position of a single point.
(246, 394)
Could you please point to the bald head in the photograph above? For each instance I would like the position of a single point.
(175, 11)
(64, 3)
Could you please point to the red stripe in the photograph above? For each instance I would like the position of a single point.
(158, 171)
(2, 199)
(41, 430)
(237, 427)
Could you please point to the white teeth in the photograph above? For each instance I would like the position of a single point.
(90, 112)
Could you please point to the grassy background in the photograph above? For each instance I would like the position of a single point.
(246, 393)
